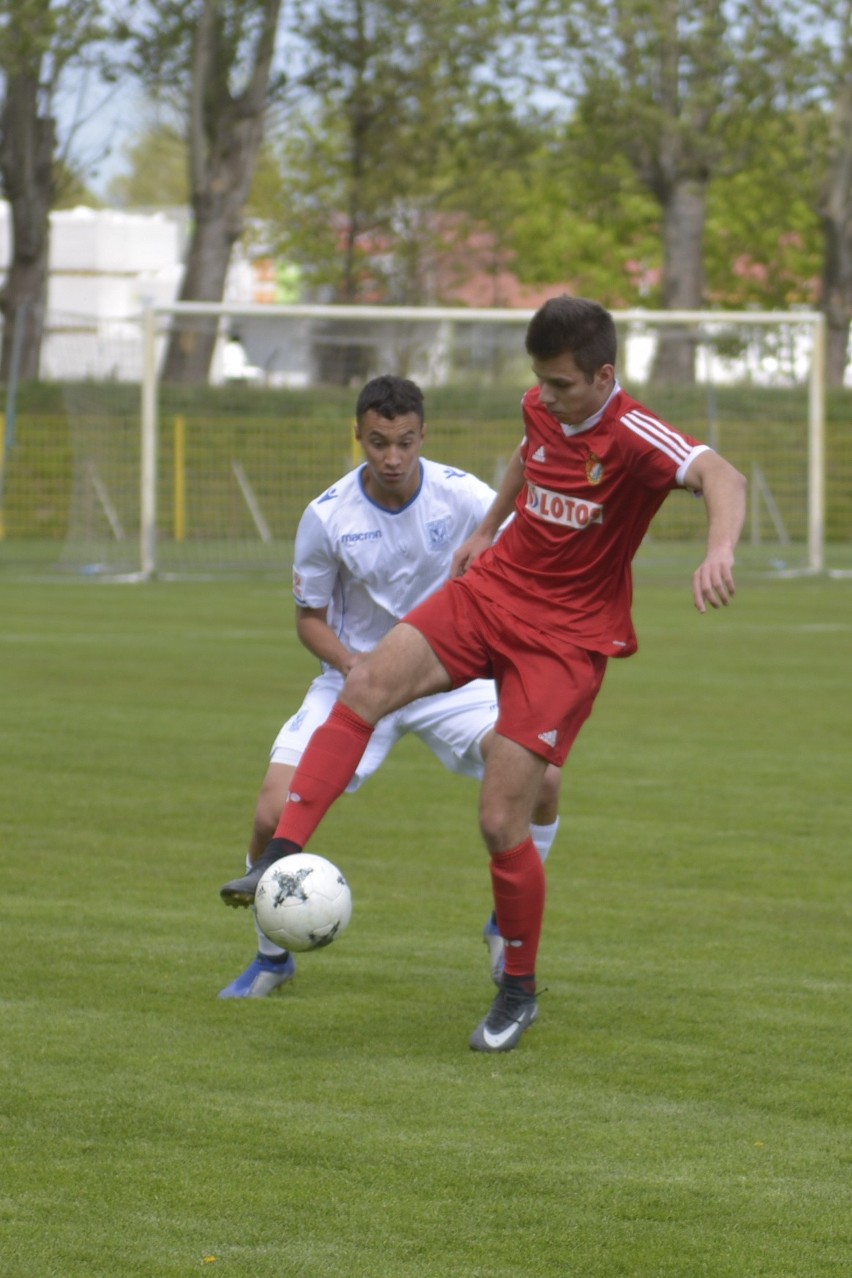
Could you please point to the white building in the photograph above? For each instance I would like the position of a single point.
(104, 265)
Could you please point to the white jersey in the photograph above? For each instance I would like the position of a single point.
(369, 566)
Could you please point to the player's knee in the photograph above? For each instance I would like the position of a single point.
(498, 826)
(366, 690)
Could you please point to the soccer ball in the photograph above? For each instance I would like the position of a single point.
(303, 902)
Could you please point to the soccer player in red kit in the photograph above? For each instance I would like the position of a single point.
(540, 610)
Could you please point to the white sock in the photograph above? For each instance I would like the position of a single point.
(543, 836)
(264, 946)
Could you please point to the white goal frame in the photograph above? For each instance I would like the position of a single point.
(807, 320)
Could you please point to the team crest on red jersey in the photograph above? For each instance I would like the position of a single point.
(594, 469)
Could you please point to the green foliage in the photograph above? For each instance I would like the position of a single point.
(408, 186)
(51, 35)
(679, 101)
(72, 190)
(161, 35)
(763, 238)
(590, 223)
(372, 152)
(158, 172)
(413, 146)
(674, 86)
(157, 177)
(304, 197)
(682, 1107)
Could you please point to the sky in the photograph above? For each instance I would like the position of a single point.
(101, 124)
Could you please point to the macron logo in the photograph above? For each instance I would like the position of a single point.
(374, 534)
(549, 738)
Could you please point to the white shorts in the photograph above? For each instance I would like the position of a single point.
(451, 724)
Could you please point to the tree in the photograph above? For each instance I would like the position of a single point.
(582, 218)
(831, 146)
(39, 41)
(763, 242)
(504, 194)
(368, 158)
(158, 173)
(676, 88)
(224, 49)
(836, 215)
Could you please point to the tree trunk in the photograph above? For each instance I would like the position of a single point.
(836, 217)
(836, 299)
(26, 161)
(225, 134)
(684, 213)
(215, 231)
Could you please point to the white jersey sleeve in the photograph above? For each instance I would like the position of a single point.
(369, 566)
(315, 565)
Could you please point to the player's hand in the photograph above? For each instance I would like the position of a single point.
(351, 659)
(467, 552)
(713, 582)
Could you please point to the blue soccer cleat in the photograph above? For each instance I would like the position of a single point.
(263, 975)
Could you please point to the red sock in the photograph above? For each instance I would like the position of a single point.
(518, 882)
(326, 768)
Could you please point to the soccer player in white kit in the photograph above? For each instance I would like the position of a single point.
(368, 550)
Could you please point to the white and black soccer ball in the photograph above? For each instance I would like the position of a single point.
(303, 902)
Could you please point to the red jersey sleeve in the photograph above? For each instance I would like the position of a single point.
(657, 454)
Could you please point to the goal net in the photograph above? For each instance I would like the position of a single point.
(118, 474)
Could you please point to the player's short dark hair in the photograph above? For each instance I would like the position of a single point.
(390, 397)
(574, 324)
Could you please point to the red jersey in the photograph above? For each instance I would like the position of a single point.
(590, 492)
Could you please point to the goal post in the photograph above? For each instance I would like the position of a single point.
(141, 479)
(814, 327)
(772, 355)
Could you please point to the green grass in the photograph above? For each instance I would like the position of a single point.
(682, 1108)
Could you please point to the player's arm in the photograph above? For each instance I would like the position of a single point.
(724, 491)
(497, 514)
(318, 637)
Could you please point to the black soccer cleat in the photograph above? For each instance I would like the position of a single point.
(241, 891)
(512, 1012)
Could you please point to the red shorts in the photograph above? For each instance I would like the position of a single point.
(546, 686)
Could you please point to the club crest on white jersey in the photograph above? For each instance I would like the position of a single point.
(558, 508)
(438, 532)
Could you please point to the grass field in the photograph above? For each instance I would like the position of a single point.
(682, 1108)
